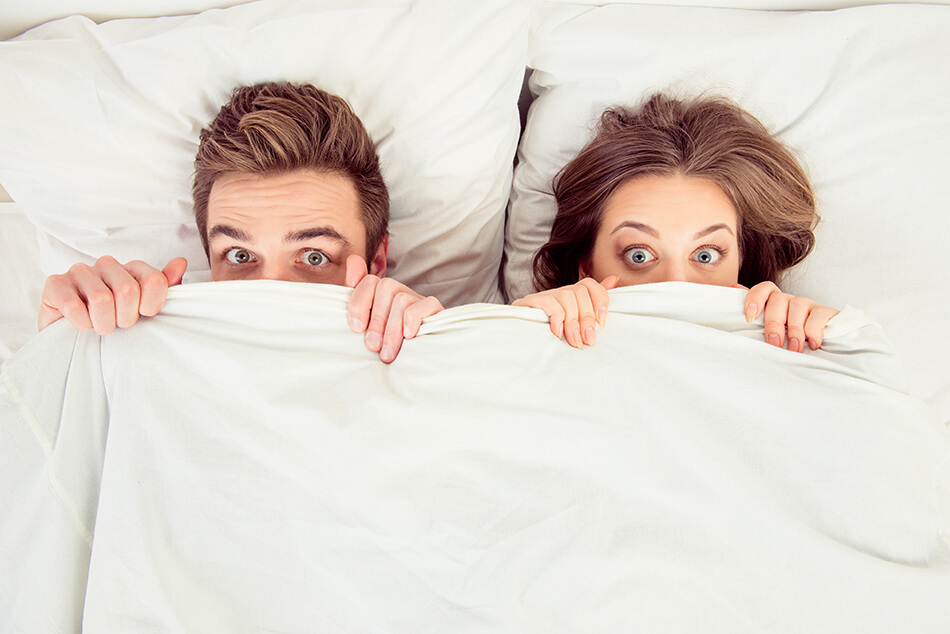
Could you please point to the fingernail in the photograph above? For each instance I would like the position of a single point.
(406, 333)
(386, 354)
(775, 340)
(750, 313)
(793, 345)
(602, 315)
(559, 330)
(373, 341)
(356, 325)
(589, 335)
(812, 344)
(576, 338)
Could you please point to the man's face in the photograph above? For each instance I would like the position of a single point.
(298, 227)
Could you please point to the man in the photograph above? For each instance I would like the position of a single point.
(287, 187)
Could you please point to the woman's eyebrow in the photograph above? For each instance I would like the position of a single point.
(309, 233)
(630, 224)
(713, 229)
(229, 231)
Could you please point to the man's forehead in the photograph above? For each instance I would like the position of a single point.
(300, 203)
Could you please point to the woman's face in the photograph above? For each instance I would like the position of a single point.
(665, 229)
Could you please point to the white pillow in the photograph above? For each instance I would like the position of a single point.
(99, 123)
(862, 94)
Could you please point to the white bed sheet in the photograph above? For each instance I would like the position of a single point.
(21, 280)
(242, 463)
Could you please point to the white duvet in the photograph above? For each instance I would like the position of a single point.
(242, 463)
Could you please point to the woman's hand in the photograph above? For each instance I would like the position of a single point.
(802, 318)
(574, 310)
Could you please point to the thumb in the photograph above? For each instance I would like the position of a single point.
(740, 286)
(610, 282)
(175, 270)
(355, 270)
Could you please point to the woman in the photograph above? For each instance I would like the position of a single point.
(695, 191)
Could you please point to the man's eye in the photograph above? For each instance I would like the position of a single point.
(239, 256)
(707, 256)
(638, 255)
(315, 258)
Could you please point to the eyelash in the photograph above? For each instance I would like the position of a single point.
(223, 256)
(712, 247)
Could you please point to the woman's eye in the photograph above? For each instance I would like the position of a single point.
(638, 255)
(315, 258)
(707, 256)
(239, 256)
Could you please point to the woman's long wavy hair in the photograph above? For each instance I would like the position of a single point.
(710, 138)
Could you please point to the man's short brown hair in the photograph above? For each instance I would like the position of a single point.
(281, 127)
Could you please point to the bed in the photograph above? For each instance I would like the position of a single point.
(242, 463)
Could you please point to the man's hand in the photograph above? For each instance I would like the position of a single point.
(803, 319)
(574, 310)
(107, 294)
(384, 309)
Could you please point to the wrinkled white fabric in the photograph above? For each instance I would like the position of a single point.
(242, 463)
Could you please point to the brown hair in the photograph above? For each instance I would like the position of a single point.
(709, 138)
(273, 128)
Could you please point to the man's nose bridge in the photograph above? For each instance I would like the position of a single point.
(276, 270)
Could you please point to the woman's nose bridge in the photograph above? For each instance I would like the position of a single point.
(675, 270)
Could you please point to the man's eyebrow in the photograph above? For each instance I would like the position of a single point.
(309, 233)
(230, 232)
(630, 224)
(713, 229)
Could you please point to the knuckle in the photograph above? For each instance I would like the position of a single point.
(403, 300)
(72, 307)
(105, 261)
(126, 290)
(80, 268)
(99, 299)
(154, 280)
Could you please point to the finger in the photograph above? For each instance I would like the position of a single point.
(47, 316)
(546, 302)
(572, 329)
(386, 290)
(776, 316)
(818, 318)
(756, 299)
(97, 297)
(174, 271)
(153, 284)
(361, 303)
(355, 270)
(412, 318)
(798, 311)
(586, 316)
(600, 299)
(394, 333)
(125, 291)
(61, 299)
(610, 282)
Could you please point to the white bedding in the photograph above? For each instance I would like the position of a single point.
(242, 463)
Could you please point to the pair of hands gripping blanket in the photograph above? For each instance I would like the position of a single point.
(242, 463)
